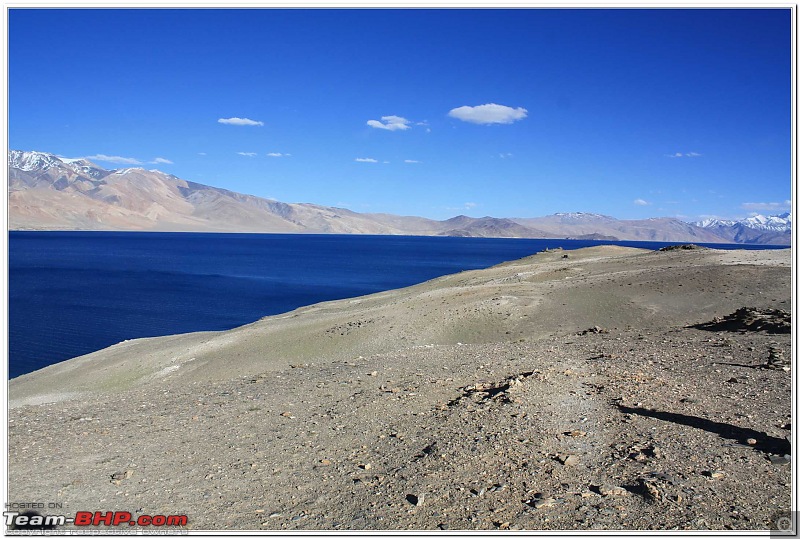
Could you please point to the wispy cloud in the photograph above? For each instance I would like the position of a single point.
(767, 206)
(114, 159)
(464, 207)
(506, 155)
(247, 154)
(239, 121)
(201, 153)
(491, 113)
(390, 123)
(410, 161)
(278, 154)
(641, 202)
(685, 154)
(366, 160)
(161, 161)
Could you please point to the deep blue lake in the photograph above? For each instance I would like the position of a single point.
(71, 293)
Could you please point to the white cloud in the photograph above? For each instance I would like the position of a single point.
(767, 206)
(239, 121)
(687, 154)
(161, 161)
(247, 154)
(366, 160)
(411, 161)
(469, 205)
(278, 154)
(641, 202)
(506, 155)
(201, 153)
(390, 123)
(113, 159)
(490, 113)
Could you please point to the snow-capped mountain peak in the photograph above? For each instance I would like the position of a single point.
(29, 161)
(579, 215)
(41, 161)
(711, 222)
(771, 223)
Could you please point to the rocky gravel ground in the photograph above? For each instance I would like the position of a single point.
(613, 429)
(612, 389)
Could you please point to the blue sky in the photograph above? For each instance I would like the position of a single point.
(510, 113)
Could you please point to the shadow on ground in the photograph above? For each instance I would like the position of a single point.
(765, 443)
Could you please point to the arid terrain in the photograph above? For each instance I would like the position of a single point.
(47, 192)
(607, 388)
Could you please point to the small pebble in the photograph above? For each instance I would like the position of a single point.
(544, 502)
(611, 490)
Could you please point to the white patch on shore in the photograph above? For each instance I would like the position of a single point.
(167, 370)
(35, 400)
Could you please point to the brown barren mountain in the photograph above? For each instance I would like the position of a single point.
(51, 193)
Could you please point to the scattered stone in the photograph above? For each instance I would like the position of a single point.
(575, 433)
(751, 319)
(681, 247)
(611, 490)
(752, 441)
(118, 477)
(416, 500)
(651, 490)
(569, 460)
(542, 503)
(593, 329)
(780, 460)
(776, 360)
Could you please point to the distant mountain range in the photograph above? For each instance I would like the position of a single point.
(774, 229)
(46, 192)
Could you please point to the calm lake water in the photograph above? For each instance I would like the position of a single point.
(71, 293)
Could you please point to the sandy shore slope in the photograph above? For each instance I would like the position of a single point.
(473, 401)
